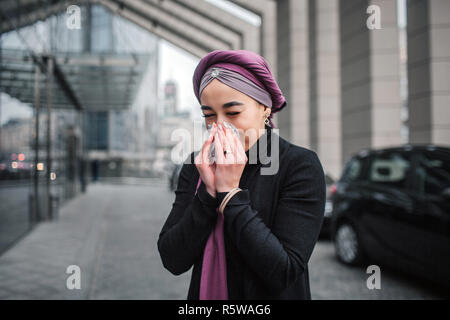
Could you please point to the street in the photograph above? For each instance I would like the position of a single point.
(111, 233)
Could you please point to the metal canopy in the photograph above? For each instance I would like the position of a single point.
(100, 82)
(18, 14)
(197, 26)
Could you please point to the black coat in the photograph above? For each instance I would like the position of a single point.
(270, 228)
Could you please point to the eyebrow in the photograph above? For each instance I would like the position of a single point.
(226, 105)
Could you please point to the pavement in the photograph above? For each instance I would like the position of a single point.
(330, 279)
(111, 234)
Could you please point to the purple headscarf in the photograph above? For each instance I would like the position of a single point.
(237, 81)
(248, 64)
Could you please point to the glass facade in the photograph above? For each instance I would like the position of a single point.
(50, 148)
(96, 130)
(16, 170)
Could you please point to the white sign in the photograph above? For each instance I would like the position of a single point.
(374, 20)
(74, 280)
(73, 20)
(374, 280)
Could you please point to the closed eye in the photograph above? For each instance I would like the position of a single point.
(211, 115)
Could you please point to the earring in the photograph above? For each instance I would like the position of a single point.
(266, 121)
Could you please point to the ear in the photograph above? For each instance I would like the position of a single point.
(264, 107)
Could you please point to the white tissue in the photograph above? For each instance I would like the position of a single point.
(212, 150)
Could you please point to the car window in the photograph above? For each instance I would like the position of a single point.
(433, 172)
(352, 170)
(390, 169)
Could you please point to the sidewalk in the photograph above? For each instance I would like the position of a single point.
(111, 233)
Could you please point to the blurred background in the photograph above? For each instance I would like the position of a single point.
(91, 93)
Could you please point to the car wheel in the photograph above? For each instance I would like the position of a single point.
(347, 245)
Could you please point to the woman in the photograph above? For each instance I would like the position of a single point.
(248, 235)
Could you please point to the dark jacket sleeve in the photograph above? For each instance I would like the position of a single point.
(279, 255)
(189, 224)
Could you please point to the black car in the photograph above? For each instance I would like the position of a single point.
(392, 207)
(331, 189)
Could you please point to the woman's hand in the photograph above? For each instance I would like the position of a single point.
(229, 167)
(204, 167)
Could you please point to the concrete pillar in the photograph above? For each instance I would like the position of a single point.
(293, 70)
(370, 77)
(428, 28)
(325, 85)
(267, 10)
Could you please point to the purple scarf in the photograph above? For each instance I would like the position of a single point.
(213, 282)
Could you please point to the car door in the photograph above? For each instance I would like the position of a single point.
(388, 213)
(432, 203)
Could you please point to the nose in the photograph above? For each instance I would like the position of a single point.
(219, 119)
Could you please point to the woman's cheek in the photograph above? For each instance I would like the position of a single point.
(239, 122)
(209, 121)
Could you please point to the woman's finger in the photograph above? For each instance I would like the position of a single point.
(239, 143)
(207, 146)
(229, 134)
(240, 151)
(223, 139)
(219, 148)
(229, 158)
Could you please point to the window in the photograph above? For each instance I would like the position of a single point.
(352, 170)
(433, 172)
(389, 169)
